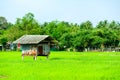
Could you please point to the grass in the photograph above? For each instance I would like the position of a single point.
(61, 66)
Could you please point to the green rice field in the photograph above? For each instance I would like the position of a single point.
(61, 66)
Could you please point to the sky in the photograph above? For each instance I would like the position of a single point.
(73, 11)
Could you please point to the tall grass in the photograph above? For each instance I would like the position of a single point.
(61, 66)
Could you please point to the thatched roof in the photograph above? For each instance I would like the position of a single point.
(32, 39)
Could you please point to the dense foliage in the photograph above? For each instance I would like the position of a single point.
(70, 36)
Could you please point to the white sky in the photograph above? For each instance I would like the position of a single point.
(75, 11)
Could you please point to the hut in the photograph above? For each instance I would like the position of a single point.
(41, 43)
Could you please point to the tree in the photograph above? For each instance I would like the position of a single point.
(13, 33)
(62, 28)
(103, 24)
(81, 39)
(50, 27)
(28, 24)
(66, 41)
(25, 25)
(86, 25)
(3, 23)
(111, 38)
(69, 35)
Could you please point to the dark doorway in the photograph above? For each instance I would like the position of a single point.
(0, 48)
(40, 50)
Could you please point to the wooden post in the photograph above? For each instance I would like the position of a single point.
(22, 57)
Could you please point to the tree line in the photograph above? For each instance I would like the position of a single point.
(71, 36)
